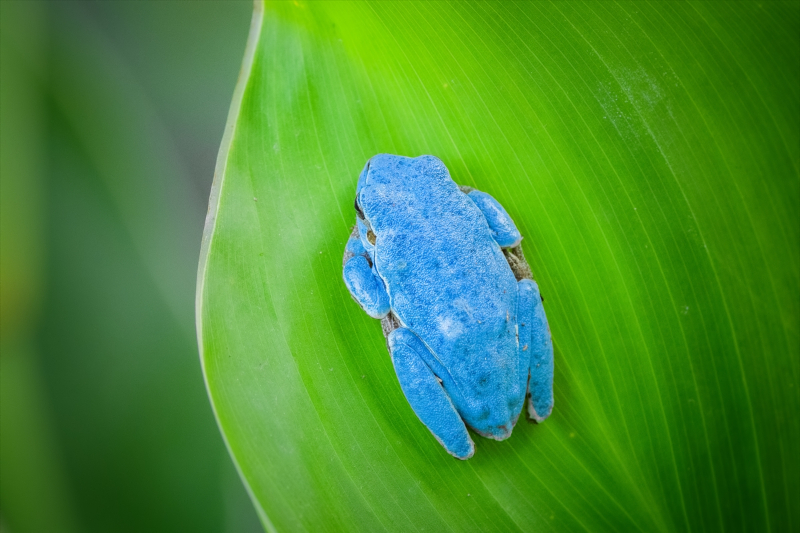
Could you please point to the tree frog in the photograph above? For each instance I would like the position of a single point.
(442, 267)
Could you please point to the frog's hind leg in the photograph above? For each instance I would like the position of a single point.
(536, 349)
(364, 284)
(426, 395)
(504, 231)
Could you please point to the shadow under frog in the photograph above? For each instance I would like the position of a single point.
(442, 267)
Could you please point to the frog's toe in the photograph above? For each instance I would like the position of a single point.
(498, 432)
(503, 230)
(366, 288)
(463, 450)
(538, 413)
(503, 432)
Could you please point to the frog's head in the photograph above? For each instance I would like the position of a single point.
(387, 179)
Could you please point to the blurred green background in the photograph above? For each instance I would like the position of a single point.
(112, 113)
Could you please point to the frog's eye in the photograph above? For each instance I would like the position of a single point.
(359, 212)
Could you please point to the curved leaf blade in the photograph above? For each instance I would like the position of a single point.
(649, 154)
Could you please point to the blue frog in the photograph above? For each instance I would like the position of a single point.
(442, 266)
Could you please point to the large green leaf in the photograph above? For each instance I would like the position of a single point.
(649, 154)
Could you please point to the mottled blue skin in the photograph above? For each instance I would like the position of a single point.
(470, 333)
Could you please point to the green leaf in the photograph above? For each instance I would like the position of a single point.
(649, 154)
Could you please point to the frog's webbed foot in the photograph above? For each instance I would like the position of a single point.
(536, 350)
(364, 284)
(426, 395)
(503, 229)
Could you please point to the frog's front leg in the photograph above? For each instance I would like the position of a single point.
(362, 281)
(426, 395)
(503, 229)
(536, 350)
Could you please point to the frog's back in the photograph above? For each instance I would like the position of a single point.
(447, 278)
